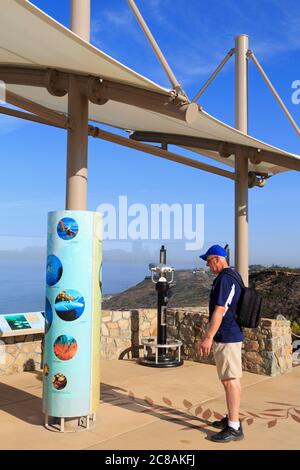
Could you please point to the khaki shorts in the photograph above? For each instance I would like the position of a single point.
(228, 357)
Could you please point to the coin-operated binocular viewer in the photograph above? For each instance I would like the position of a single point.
(160, 351)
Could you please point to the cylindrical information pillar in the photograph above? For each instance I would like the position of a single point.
(73, 317)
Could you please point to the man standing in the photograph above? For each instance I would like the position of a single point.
(225, 336)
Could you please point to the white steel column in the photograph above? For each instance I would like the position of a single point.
(77, 149)
(241, 162)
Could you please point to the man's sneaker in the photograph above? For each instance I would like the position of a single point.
(228, 434)
(221, 424)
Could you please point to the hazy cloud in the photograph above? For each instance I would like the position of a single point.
(30, 253)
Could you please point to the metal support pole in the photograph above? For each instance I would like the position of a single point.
(62, 424)
(176, 85)
(76, 195)
(241, 160)
(213, 76)
(275, 94)
(77, 153)
(80, 18)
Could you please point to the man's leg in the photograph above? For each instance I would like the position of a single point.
(233, 430)
(233, 397)
(228, 361)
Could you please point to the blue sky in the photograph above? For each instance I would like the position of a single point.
(194, 36)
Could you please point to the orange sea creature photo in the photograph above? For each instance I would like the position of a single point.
(65, 347)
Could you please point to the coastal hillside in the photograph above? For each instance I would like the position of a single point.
(191, 289)
(280, 288)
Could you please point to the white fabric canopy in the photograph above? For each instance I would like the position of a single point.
(29, 37)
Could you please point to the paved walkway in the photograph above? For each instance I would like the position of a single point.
(163, 409)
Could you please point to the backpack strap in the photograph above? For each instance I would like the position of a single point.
(235, 276)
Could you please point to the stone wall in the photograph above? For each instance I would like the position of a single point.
(122, 331)
(19, 353)
(267, 350)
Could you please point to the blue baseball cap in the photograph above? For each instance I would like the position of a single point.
(215, 250)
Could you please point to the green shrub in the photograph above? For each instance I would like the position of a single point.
(295, 328)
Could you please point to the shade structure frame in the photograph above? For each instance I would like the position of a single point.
(223, 148)
(159, 152)
(64, 122)
(100, 90)
(49, 46)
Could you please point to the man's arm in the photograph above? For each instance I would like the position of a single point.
(205, 346)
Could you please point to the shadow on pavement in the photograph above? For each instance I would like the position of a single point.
(123, 398)
(22, 404)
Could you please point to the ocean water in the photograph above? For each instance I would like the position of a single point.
(22, 284)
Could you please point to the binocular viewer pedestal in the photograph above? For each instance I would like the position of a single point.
(165, 355)
(160, 351)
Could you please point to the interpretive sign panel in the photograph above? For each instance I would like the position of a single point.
(14, 324)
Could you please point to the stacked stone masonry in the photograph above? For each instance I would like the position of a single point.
(122, 332)
(20, 353)
(267, 350)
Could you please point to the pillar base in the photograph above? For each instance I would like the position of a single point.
(61, 424)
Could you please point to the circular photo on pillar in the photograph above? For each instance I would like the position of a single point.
(48, 315)
(54, 270)
(65, 347)
(69, 305)
(59, 381)
(46, 370)
(67, 228)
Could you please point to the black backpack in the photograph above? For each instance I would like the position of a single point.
(249, 306)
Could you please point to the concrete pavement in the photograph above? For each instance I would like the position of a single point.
(157, 409)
